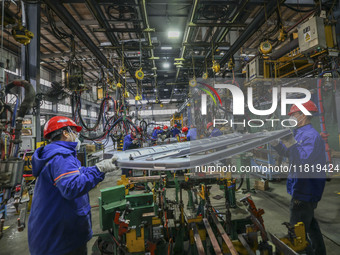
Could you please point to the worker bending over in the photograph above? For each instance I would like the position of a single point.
(213, 131)
(60, 217)
(305, 147)
(175, 131)
(192, 133)
(131, 142)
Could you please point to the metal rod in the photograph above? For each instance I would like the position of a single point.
(224, 235)
(212, 237)
(198, 241)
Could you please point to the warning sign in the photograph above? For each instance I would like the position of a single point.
(307, 36)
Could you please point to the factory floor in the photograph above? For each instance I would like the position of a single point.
(275, 203)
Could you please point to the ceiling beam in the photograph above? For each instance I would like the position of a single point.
(100, 16)
(259, 20)
(77, 30)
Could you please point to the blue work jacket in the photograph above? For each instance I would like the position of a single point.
(192, 134)
(215, 132)
(175, 131)
(60, 217)
(308, 153)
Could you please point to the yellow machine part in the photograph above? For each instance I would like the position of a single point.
(119, 85)
(22, 35)
(238, 246)
(216, 67)
(125, 181)
(40, 144)
(329, 36)
(299, 243)
(134, 243)
(156, 221)
(201, 232)
(120, 144)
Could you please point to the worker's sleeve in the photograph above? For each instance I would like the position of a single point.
(281, 150)
(305, 152)
(72, 179)
(188, 136)
(127, 143)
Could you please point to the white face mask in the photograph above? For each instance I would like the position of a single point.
(293, 121)
(78, 144)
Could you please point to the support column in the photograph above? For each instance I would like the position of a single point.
(31, 55)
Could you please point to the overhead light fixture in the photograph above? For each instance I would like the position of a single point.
(166, 48)
(166, 65)
(173, 34)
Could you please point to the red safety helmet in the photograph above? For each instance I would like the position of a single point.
(158, 127)
(59, 122)
(209, 125)
(185, 129)
(175, 125)
(154, 128)
(310, 106)
(165, 127)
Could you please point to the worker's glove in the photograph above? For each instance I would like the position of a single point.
(135, 141)
(163, 137)
(274, 143)
(107, 165)
(288, 141)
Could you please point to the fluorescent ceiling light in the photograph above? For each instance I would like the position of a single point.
(166, 48)
(166, 65)
(173, 34)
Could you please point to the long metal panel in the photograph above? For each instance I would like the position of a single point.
(191, 154)
(224, 235)
(198, 241)
(212, 237)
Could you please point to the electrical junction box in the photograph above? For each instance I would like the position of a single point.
(28, 126)
(255, 69)
(312, 35)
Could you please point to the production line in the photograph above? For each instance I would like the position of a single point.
(158, 127)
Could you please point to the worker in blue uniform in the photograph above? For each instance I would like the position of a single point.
(156, 132)
(175, 131)
(192, 133)
(130, 142)
(305, 148)
(60, 217)
(213, 131)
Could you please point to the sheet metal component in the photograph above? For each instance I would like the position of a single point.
(224, 235)
(198, 241)
(184, 155)
(212, 237)
(282, 246)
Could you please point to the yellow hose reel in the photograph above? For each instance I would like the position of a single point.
(216, 67)
(205, 76)
(139, 74)
(266, 47)
(119, 85)
(193, 82)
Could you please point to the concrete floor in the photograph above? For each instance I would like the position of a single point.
(275, 202)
